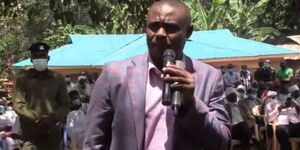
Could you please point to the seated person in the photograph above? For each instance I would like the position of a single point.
(76, 120)
(248, 104)
(240, 129)
(283, 112)
(6, 122)
(241, 89)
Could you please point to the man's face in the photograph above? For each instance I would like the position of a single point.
(283, 65)
(166, 28)
(244, 67)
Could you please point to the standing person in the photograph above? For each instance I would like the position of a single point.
(259, 73)
(83, 88)
(91, 81)
(231, 78)
(223, 69)
(41, 101)
(246, 77)
(84, 91)
(265, 72)
(68, 83)
(284, 74)
(126, 111)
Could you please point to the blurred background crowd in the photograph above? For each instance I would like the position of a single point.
(263, 105)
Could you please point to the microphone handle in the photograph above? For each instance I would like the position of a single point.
(167, 95)
(177, 95)
(176, 102)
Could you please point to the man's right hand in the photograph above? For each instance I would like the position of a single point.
(281, 107)
(46, 121)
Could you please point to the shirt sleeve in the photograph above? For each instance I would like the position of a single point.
(290, 73)
(19, 102)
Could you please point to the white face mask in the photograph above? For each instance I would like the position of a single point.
(40, 64)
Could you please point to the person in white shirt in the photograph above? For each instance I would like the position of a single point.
(7, 120)
(240, 129)
(283, 112)
(91, 82)
(246, 77)
(76, 120)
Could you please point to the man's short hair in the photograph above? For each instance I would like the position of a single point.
(175, 3)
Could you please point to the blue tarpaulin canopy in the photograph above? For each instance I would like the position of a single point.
(95, 50)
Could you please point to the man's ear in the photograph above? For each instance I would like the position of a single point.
(145, 28)
(189, 30)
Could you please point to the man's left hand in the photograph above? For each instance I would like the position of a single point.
(181, 80)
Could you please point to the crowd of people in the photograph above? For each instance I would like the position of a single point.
(265, 98)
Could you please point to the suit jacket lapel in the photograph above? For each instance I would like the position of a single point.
(137, 80)
(189, 65)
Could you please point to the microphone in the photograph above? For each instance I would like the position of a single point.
(168, 58)
(177, 95)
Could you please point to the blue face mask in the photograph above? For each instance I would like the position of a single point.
(2, 109)
(282, 97)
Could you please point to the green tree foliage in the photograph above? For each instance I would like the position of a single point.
(241, 17)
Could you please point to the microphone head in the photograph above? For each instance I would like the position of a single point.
(169, 56)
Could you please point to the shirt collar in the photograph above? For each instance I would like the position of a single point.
(151, 65)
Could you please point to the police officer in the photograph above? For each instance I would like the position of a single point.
(42, 102)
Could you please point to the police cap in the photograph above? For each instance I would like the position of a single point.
(39, 47)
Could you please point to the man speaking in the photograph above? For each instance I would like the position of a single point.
(127, 112)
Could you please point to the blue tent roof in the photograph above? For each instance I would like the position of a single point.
(95, 50)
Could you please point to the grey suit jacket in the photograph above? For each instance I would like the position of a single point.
(116, 116)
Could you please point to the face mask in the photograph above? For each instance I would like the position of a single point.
(2, 109)
(282, 97)
(244, 70)
(40, 64)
